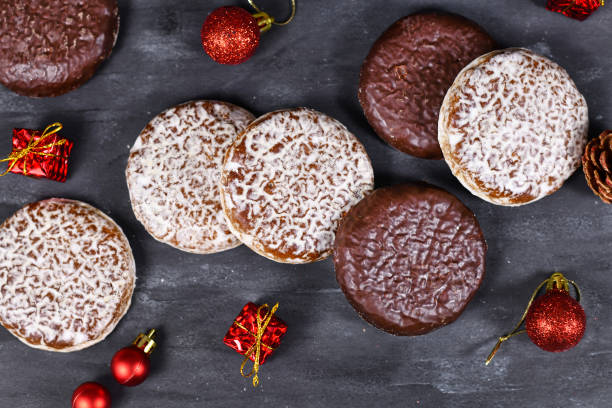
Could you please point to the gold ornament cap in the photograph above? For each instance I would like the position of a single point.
(557, 281)
(265, 21)
(145, 342)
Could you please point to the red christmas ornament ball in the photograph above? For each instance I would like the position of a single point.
(230, 35)
(130, 366)
(91, 395)
(555, 321)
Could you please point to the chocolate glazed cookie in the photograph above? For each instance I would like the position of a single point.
(407, 73)
(409, 258)
(50, 47)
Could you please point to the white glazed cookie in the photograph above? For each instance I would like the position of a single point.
(513, 127)
(173, 172)
(287, 181)
(66, 275)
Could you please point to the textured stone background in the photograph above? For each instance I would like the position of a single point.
(330, 357)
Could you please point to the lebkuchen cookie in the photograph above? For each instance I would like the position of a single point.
(66, 275)
(50, 47)
(513, 127)
(173, 174)
(409, 258)
(288, 180)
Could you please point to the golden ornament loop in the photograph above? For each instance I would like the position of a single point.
(262, 324)
(556, 280)
(268, 20)
(33, 148)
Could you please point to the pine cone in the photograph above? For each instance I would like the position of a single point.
(597, 165)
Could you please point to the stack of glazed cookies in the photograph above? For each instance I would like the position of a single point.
(206, 176)
(511, 124)
(295, 185)
(512, 127)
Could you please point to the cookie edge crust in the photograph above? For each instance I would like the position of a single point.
(126, 295)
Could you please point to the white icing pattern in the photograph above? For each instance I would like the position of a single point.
(513, 127)
(288, 180)
(66, 275)
(173, 171)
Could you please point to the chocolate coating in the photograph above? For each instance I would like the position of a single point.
(407, 73)
(409, 258)
(50, 47)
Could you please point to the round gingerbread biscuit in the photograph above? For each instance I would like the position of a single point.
(287, 181)
(173, 174)
(50, 47)
(513, 127)
(66, 275)
(409, 258)
(407, 73)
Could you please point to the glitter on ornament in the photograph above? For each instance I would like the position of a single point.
(230, 35)
(555, 321)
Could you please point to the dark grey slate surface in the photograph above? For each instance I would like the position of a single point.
(330, 357)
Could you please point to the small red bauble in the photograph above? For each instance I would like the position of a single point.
(91, 395)
(130, 365)
(576, 9)
(555, 321)
(230, 35)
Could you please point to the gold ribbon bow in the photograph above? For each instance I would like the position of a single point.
(262, 324)
(34, 148)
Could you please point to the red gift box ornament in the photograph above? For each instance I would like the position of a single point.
(577, 9)
(255, 336)
(40, 155)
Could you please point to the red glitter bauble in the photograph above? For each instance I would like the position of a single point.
(130, 366)
(555, 321)
(230, 35)
(91, 395)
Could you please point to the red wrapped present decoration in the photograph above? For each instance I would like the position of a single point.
(40, 154)
(255, 333)
(577, 9)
